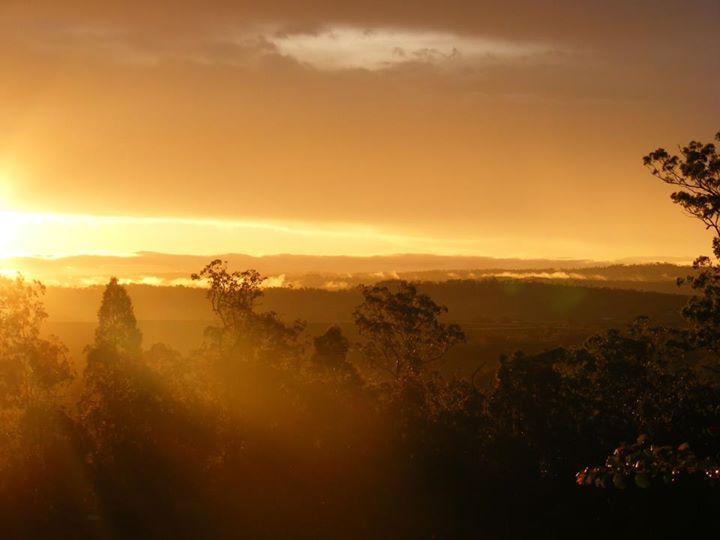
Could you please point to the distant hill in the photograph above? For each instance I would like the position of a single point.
(343, 272)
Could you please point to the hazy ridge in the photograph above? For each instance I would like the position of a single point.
(331, 272)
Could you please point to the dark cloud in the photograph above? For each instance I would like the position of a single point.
(612, 23)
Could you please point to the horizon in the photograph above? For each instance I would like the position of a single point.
(37, 235)
(291, 270)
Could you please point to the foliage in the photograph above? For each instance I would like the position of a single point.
(616, 385)
(402, 329)
(117, 327)
(646, 465)
(37, 437)
(696, 171)
(680, 405)
(245, 331)
(31, 368)
(330, 355)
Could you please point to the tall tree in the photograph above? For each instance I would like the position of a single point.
(117, 326)
(115, 396)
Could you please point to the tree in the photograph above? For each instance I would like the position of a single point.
(117, 327)
(113, 369)
(114, 372)
(141, 421)
(32, 369)
(402, 329)
(696, 171)
(647, 381)
(330, 354)
(233, 297)
(38, 460)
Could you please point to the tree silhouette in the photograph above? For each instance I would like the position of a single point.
(111, 390)
(135, 411)
(330, 354)
(331, 348)
(232, 294)
(117, 327)
(670, 401)
(244, 329)
(32, 369)
(37, 454)
(696, 171)
(402, 329)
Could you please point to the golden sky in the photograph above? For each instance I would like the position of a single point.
(509, 129)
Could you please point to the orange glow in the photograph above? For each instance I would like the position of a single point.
(293, 131)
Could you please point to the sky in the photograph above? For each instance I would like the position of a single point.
(511, 128)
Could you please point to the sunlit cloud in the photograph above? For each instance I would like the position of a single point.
(346, 47)
(331, 47)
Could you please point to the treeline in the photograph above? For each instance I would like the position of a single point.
(485, 301)
(261, 433)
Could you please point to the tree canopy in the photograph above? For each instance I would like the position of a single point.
(402, 331)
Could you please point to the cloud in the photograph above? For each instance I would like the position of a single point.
(326, 47)
(348, 47)
(588, 21)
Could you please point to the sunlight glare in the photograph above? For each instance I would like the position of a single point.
(8, 233)
(8, 226)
